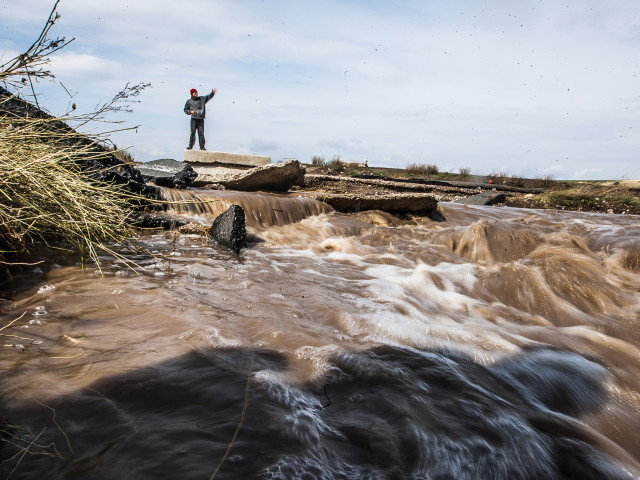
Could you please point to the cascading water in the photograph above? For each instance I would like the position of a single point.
(499, 344)
(261, 209)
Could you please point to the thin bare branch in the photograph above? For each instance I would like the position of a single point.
(33, 61)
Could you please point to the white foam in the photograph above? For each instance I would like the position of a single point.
(427, 306)
(47, 287)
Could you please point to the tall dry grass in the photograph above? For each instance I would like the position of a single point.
(44, 197)
(422, 169)
(318, 161)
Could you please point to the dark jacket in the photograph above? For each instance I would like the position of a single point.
(197, 105)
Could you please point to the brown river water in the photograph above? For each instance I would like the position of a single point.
(499, 344)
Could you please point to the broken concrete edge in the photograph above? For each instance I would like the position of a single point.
(455, 183)
(167, 172)
(414, 184)
(278, 177)
(310, 181)
(399, 204)
(200, 158)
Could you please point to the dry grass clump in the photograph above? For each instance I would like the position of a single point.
(499, 177)
(318, 161)
(123, 155)
(422, 169)
(45, 197)
(546, 181)
(464, 172)
(336, 164)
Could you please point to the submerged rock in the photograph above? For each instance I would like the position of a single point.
(167, 172)
(229, 229)
(485, 198)
(155, 220)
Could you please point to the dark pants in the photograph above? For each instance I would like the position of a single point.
(197, 124)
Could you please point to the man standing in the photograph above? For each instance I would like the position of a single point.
(195, 107)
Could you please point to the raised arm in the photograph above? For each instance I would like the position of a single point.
(210, 96)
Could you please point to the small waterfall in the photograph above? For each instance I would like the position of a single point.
(261, 209)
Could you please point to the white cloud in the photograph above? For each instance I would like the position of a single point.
(83, 66)
(526, 86)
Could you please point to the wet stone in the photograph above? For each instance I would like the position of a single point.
(485, 198)
(229, 230)
(167, 172)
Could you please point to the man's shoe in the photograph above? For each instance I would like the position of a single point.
(188, 148)
(203, 149)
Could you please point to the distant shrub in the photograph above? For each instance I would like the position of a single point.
(422, 169)
(464, 172)
(336, 163)
(498, 177)
(546, 181)
(415, 169)
(517, 181)
(318, 161)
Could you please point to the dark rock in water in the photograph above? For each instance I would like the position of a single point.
(485, 198)
(437, 216)
(167, 172)
(155, 220)
(229, 230)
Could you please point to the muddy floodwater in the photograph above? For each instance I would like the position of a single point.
(498, 344)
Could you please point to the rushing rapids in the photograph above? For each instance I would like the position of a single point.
(261, 209)
(499, 344)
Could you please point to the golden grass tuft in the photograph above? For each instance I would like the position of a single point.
(45, 197)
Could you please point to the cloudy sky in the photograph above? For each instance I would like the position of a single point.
(535, 88)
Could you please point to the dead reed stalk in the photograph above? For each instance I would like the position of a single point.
(44, 195)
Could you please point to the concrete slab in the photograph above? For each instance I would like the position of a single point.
(213, 174)
(199, 157)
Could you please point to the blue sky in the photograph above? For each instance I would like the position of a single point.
(530, 88)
